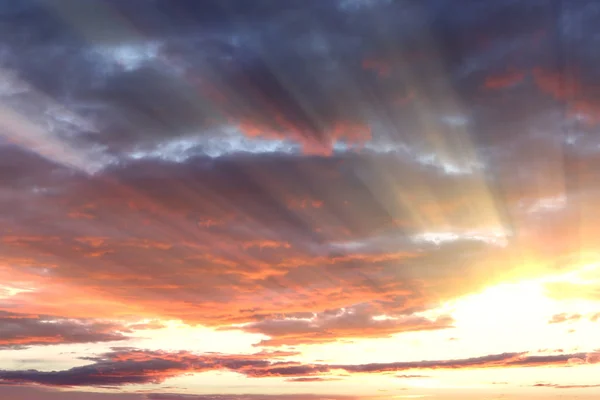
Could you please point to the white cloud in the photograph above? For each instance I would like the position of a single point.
(10, 291)
(547, 204)
(128, 56)
(496, 238)
(230, 141)
(455, 120)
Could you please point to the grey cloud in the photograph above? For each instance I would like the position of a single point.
(18, 331)
(313, 82)
(139, 367)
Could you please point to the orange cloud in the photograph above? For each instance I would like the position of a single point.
(333, 325)
(205, 244)
(235, 274)
(564, 317)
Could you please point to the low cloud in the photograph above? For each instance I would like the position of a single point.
(130, 366)
(18, 331)
(557, 386)
(168, 396)
(312, 379)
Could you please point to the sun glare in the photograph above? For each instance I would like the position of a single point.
(515, 303)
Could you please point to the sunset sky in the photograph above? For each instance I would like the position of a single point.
(299, 199)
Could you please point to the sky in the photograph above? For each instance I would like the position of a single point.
(299, 199)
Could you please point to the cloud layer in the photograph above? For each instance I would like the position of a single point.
(131, 366)
(18, 331)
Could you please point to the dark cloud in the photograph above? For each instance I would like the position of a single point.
(491, 361)
(28, 393)
(254, 68)
(19, 392)
(18, 331)
(132, 366)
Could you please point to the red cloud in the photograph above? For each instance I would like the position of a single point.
(567, 87)
(305, 203)
(382, 68)
(351, 133)
(557, 85)
(503, 81)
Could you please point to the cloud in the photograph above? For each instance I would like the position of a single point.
(331, 325)
(564, 317)
(504, 360)
(142, 367)
(244, 235)
(18, 331)
(19, 392)
(312, 379)
(45, 393)
(557, 386)
(147, 325)
(220, 166)
(503, 81)
(167, 396)
(131, 366)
